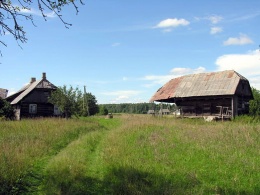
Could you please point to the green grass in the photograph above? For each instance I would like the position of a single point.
(130, 154)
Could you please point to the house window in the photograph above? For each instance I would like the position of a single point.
(56, 110)
(32, 108)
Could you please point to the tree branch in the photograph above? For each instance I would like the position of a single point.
(10, 14)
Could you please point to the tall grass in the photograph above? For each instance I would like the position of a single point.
(24, 144)
(136, 154)
(184, 156)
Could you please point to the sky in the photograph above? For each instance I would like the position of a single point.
(124, 51)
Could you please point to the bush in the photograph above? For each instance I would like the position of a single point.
(6, 110)
(254, 105)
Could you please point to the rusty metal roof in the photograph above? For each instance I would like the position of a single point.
(202, 84)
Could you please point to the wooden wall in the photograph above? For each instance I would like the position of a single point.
(209, 106)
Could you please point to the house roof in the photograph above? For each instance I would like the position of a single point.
(202, 84)
(19, 95)
(164, 110)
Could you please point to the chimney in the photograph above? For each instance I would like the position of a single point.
(44, 75)
(33, 79)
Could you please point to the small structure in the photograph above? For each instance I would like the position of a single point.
(164, 111)
(151, 112)
(109, 115)
(32, 100)
(224, 94)
(3, 93)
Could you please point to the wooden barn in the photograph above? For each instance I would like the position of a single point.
(32, 100)
(225, 93)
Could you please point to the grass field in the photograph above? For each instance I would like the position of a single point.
(129, 154)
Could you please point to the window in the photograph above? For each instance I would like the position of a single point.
(56, 110)
(32, 108)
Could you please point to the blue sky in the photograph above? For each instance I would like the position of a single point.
(123, 51)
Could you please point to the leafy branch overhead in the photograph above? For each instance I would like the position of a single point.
(12, 13)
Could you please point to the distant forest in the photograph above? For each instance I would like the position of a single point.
(137, 108)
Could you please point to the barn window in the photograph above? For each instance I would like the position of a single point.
(32, 108)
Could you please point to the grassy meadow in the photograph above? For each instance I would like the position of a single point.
(129, 154)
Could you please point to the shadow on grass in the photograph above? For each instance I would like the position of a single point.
(128, 181)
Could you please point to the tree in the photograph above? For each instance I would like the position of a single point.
(6, 109)
(11, 14)
(103, 110)
(254, 105)
(92, 104)
(67, 100)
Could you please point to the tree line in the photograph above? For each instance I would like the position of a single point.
(136, 108)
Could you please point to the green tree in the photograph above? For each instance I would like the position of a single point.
(67, 100)
(254, 105)
(6, 109)
(12, 13)
(103, 110)
(92, 104)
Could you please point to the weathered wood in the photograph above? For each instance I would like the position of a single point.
(32, 100)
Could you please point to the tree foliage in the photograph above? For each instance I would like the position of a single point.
(136, 108)
(254, 105)
(66, 99)
(6, 109)
(72, 101)
(88, 105)
(12, 13)
(103, 110)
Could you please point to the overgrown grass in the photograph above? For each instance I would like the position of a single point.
(131, 154)
(26, 144)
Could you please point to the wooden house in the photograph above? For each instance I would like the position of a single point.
(164, 111)
(225, 93)
(151, 112)
(32, 100)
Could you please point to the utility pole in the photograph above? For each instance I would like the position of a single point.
(85, 101)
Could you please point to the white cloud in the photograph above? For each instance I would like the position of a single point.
(167, 30)
(11, 91)
(246, 64)
(215, 30)
(122, 96)
(122, 93)
(157, 79)
(175, 72)
(6, 33)
(37, 12)
(241, 40)
(214, 19)
(172, 23)
(185, 71)
(115, 44)
(245, 17)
